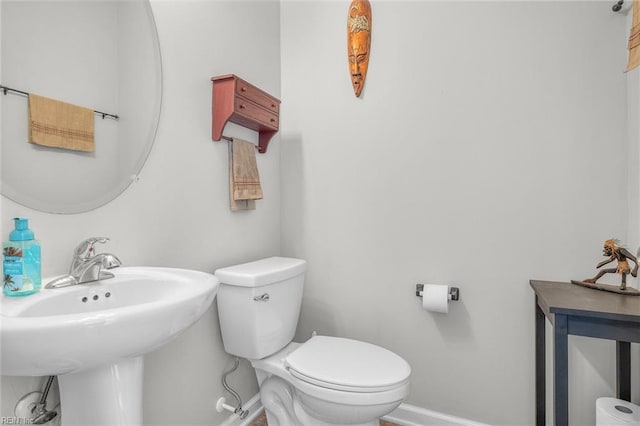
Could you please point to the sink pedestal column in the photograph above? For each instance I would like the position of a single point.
(105, 396)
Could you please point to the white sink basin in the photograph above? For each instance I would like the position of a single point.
(100, 329)
(64, 330)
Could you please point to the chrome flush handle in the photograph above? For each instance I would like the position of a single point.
(262, 298)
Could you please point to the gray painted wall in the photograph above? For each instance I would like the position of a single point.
(488, 148)
(178, 213)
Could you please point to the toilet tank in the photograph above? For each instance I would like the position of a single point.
(259, 304)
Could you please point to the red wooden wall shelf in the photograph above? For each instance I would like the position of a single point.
(242, 103)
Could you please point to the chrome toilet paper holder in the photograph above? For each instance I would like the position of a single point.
(454, 292)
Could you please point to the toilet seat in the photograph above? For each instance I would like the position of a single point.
(374, 397)
(347, 365)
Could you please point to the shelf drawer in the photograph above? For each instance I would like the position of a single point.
(251, 111)
(256, 95)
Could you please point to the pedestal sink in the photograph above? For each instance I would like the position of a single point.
(93, 337)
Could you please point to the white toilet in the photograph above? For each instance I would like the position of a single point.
(323, 381)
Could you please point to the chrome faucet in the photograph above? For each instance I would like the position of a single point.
(87, 265)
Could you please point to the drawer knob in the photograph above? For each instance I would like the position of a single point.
(273, 120)
(243, 89)
(241, 106)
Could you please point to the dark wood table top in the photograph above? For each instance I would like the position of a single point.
(571, 299)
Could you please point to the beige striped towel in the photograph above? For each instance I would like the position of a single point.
(60, 125)
(244, 178)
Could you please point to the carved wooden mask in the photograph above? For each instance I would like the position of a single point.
(358, 42)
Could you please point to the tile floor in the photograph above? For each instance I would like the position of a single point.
(261, 420)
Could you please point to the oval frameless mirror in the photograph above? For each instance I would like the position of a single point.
(103, 55)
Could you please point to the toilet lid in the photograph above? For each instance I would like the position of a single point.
(346, 364)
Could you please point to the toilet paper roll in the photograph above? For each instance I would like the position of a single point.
(616, 412)
(435, 298)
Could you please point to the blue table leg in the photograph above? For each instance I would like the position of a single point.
(623, 370)
(561, 371)
(541, 413)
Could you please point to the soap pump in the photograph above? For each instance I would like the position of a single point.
(21, 274)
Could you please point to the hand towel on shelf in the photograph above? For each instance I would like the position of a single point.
(237, 204)
(60, 125)
(244, 178)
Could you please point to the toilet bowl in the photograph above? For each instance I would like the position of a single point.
(323, 381)
(334, 380)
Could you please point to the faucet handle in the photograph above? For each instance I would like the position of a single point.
(85, 249)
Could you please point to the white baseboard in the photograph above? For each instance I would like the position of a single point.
(410, 415)
(404, 415)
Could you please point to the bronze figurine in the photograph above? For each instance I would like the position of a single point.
(622, 256)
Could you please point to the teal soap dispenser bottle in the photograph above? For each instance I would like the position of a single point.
(21, 272)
